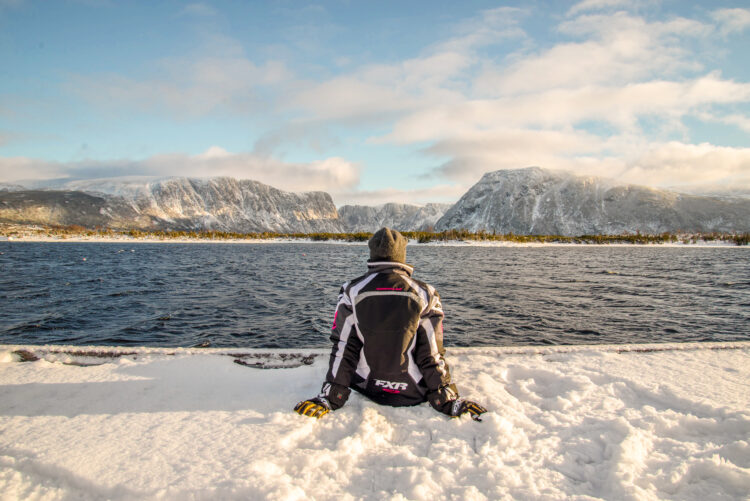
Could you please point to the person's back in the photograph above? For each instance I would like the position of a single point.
(388, 339)
(397, 324)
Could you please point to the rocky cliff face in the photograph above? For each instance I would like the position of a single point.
(222, 203)
(66, 208)
(537, 201)
(402, 217)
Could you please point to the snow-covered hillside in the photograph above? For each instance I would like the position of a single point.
(11, 187)
(70, 208)
(402, 217)
(219, 203)
(539, 201)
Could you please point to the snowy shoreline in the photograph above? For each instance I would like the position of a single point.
(657, 421)
(116, 351)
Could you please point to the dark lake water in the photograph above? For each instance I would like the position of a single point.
(275, 295)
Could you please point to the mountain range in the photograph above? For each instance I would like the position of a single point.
(220, 203)
(535, 201)
(521, 201)
(403, 216)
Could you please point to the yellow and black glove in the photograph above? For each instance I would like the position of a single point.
(461, 406)
(446, 400)
(315, 407)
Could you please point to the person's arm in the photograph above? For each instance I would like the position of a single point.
(430, 357)
(429, 352)
(342, 365)
(345, 352)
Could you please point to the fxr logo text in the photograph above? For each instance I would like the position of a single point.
(391, 385)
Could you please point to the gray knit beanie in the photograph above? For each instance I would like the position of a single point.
(388, 245)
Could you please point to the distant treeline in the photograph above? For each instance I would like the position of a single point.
(420, 236)
(637, 238)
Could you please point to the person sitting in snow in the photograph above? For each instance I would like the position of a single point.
(388, 339)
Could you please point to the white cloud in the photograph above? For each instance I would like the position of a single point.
(732, 20)
(619, 106)
(588, 5)
(474, 153)
(490, 27)
(187, 87)
(216, 76)
(349, 98)
(330, 174)
(617, 49)
(327, 174)
(13, 169)
(740, 121)
(678, 164)
(440, 75)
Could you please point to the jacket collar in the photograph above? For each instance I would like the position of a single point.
(381, 266)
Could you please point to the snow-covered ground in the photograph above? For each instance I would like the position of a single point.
(564, 423)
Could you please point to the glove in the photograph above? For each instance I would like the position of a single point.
(315, 407)
(446, 400)
(461, 406)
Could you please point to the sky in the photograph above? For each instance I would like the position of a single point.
(376, 102)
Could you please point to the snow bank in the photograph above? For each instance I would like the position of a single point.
(583, 422)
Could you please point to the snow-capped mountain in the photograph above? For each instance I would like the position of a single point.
(219, 203)
(70, 208)
(402, 217)
(539, 201)
(11, 187)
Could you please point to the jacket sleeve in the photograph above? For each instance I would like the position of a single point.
(344, 353)
(430, 353)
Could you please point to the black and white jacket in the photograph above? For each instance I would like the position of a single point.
(388, 340)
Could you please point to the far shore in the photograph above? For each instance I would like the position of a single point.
(18, 233)
(449, 243)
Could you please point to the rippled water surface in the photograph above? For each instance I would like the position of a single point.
(282, 295)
